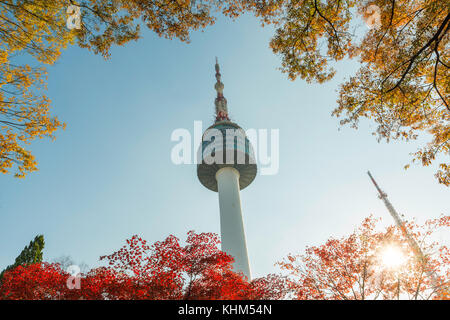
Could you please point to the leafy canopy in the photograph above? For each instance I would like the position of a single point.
(38, 28)
(404, 80)
(402, 85)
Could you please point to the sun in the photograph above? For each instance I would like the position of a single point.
(392, 257)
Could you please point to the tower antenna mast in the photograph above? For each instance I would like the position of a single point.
(411, 241)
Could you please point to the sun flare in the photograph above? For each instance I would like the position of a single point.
(392, 257)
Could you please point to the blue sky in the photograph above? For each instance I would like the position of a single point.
(109, 174)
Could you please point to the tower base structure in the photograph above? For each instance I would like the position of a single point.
(231, 222)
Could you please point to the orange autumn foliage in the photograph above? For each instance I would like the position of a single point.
(353, 268)
(403, 84)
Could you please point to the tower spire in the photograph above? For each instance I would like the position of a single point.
(220, 102)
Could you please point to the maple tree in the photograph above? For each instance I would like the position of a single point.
(404, 79)
(351, 267)
(355, 267)
(33, 27)
(163, 270)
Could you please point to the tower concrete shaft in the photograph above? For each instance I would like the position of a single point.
(231, 223)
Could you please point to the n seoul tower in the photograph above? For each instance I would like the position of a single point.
(227, 165)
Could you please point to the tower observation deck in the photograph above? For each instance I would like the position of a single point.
(227, 165)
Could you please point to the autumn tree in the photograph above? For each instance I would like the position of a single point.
(404, 79)
(198, 270)
(163, 270)
(32, 27)
(374, 264)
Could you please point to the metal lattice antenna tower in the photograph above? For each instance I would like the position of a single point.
(411, 241)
